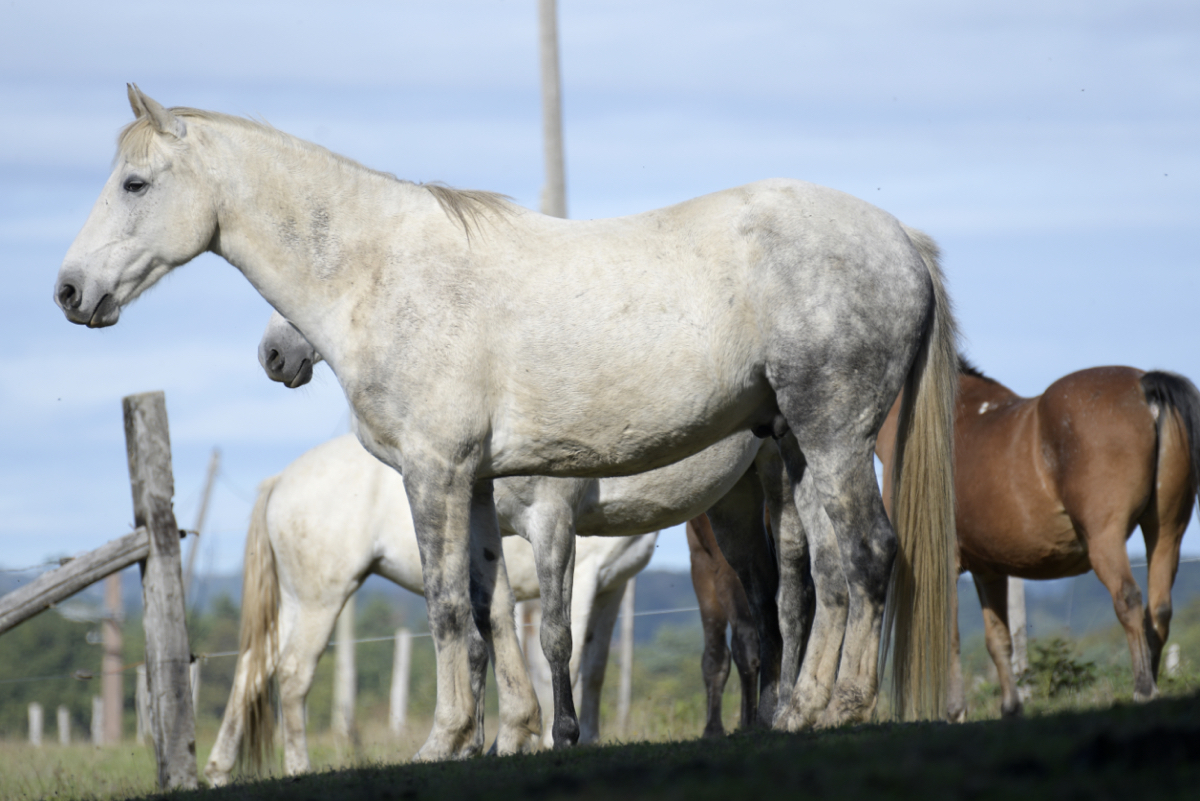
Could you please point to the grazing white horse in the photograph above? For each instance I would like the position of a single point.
(476, 340)
(318, 529)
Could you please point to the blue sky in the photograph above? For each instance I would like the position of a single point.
(1050, 147)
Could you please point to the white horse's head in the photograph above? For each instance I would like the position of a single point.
(285, 354)
(155, 213)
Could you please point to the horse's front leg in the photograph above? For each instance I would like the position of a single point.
(439, 496)
(551, 532)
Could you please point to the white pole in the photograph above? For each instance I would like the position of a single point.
(194, 675)
(64, 726)
(1016, 625)
(344, 676)
(97, 721)
(401, 671)
(1172, 666)
(35, 724)
(554, 193)
(1019, 633)
(625, 698)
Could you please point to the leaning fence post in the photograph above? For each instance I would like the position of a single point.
(625, 698)
(35, 724)
(401, 670)
(172, 721)
(64, 725)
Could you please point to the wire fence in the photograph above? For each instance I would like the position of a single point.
(85, 675)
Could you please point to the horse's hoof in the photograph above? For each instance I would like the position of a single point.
(215, 777)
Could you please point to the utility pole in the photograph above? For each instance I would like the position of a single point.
(214, 464)
(554, 192)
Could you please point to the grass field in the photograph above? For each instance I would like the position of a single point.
(1091, 741)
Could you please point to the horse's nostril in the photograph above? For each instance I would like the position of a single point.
(273, 359)
(69, 297)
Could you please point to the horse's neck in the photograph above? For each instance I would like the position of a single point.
(308, 229)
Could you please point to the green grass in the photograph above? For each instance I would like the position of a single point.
(1092, 741)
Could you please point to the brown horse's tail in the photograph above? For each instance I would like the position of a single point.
(1174, 393)
(258, 647)
(922, 589)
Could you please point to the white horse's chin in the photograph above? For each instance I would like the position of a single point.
(106, 313)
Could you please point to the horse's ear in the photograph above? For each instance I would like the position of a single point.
(163, 120)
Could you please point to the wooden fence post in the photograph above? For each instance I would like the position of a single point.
(172, 722)
(64, 725)
(112, 683)
(35, 724)
(345, 676)
(401, 673)
(625, 698)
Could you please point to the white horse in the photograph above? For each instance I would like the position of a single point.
(712, 480)
(319, 528)
(477, 340)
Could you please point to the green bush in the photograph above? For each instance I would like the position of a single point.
(1053, 669)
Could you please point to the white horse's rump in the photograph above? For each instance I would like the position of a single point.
(533, 345)
(330, 519)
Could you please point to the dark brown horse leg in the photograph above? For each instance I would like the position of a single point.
(1111, 563)
(993, 597)
(737, 523)
(743, 641)
(714, 664)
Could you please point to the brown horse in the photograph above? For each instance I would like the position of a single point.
(1053, 486)
(723, 603)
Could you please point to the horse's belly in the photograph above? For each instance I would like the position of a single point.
(1042, 549)
(670, 495)
(624, 440)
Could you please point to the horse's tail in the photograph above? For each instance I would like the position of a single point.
(1174, 393)
(922, 588)
(258, 647)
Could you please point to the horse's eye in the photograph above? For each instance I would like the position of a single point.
(134, 185)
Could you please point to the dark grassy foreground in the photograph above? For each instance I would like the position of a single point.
(1148, 751)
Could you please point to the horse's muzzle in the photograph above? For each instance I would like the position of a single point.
(68, 295)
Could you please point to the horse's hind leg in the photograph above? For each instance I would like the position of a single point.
(714, 663)
(1163, 524)
(797, 597)
(1106, 550)
(743, 643)
(956, 703)
(305, 634)
(493, 608)
(551, 532)
(813, 686)
(593, 660)
(993, 597)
